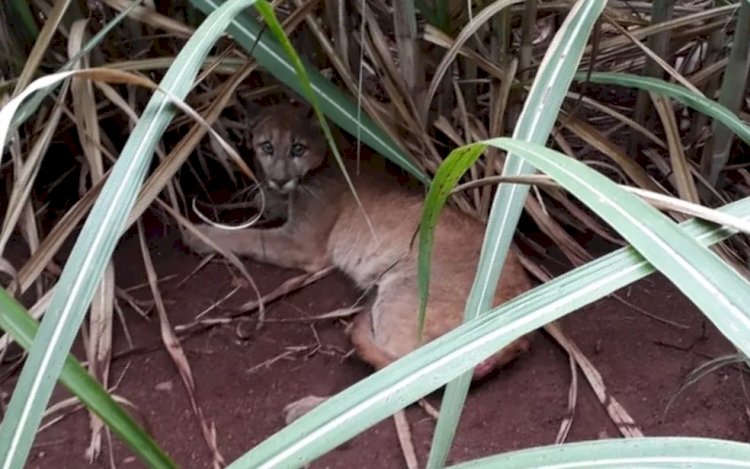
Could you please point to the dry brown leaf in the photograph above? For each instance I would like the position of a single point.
(151, 17)
(31, 270)
(466, 33)
(404, 439)
(680, 166)
(594, 138)
(99, 349)
(567, 422)
(285, 288)
(617, 413)
(653, 56)
(172, 344)
(434, 36)
(153, 186)
(41, 45)
(572, 250)
(26, 170)
(618, 116)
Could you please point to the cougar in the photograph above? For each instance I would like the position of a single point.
(325, 226)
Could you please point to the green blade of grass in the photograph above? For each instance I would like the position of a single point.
(701, 275)
(95, 244)
(437, 16)
(534, 125)
(662, 452)
(334, 103)
(676, 92)
(17, 322)
(721, 293)
(450, 171)
(22, 11)
(431, 366)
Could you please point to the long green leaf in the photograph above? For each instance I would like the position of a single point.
(719, 291)
(438, 16)
(431, 366)
(97, 240)
(534, 125)
(16, 321)
(662, 452)
(339, 107)
(22, 12)
(676, 92)
(448, 174)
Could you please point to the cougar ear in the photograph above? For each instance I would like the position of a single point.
(256, 114)
(310, 112)
(312, 118)
(254, 120)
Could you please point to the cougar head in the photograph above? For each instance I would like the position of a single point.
(288, 144)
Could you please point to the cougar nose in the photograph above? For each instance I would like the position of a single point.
(275, 183)
(282, 185)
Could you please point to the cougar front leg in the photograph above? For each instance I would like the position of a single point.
(274, 246)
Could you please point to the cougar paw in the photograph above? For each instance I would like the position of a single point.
(501, 359)
(194, 243)
(300, 407)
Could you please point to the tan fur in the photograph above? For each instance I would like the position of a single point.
(325, 226)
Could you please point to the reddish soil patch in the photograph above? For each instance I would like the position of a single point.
(641, 360)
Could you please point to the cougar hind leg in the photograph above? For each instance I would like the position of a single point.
(362, 338)
(389, 330)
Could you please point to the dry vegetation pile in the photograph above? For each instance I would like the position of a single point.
(432, 74)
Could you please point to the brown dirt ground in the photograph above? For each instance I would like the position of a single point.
(642, 362)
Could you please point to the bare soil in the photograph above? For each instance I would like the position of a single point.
(642, 362)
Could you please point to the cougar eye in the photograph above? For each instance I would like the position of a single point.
(267, 148)
(298, 150)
